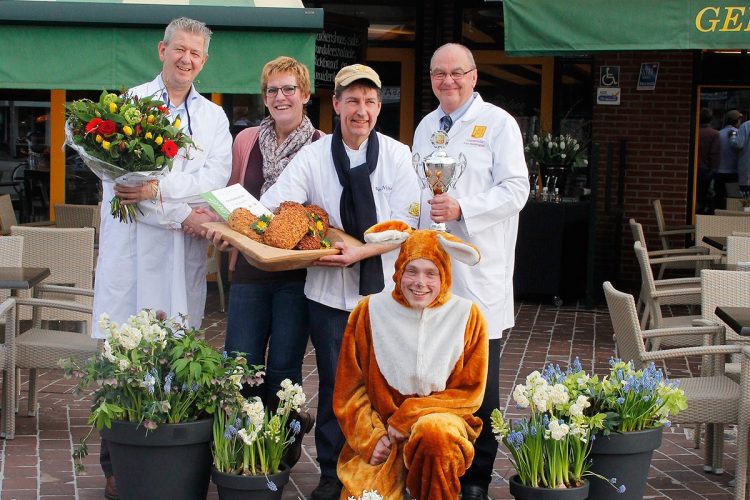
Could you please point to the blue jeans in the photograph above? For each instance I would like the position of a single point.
(269, 315)
(327, 327)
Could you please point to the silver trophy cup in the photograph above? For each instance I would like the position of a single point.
(439, 172)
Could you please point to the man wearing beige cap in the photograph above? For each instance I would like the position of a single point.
(360, 177)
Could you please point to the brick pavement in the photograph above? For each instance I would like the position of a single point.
(37, 464)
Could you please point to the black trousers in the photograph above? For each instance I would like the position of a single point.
(485, 448)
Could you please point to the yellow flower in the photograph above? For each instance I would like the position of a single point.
(112, 107)
(319, 225)
(158, 140)
(148, 135)
(176, 123)
(150, 119)
(99, 138)
(105, 145)
(127, 130)
(261, 225)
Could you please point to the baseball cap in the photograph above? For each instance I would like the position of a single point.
(350, 74)
(732, 116)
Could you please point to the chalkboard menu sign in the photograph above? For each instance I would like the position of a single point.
(342, 42)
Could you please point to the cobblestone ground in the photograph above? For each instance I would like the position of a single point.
(37, 463)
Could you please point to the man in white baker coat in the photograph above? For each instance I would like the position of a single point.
(483, 210)
(152, 263)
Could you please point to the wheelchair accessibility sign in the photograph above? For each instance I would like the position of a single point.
(609, 76)
(608, 91)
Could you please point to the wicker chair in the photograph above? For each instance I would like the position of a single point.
(8, 216)
(733, 213)
(681, 291)
(714, 399)
(665, 232)
(40, 347)
(11, 255)
(734, 204)
(718, 225)
(8, 366)
(69, 255)
(738, 249)
(637, 230)
(67, 215)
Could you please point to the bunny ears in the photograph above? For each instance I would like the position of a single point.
(422, 243)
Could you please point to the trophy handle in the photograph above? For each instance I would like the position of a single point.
(416, 163)
(461, 165)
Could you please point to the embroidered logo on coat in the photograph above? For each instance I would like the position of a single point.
(478, 131)
(414, 209)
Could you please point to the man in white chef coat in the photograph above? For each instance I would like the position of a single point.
(152, 263)
(482, 210)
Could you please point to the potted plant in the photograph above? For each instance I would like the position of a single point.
(555, 156)
(156, 384)
(550, 448)
(637, 405)
(249, 442)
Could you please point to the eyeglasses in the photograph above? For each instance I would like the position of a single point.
(287, 90)
(456, 74)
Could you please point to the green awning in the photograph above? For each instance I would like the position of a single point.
(94, 46)
(546, 27)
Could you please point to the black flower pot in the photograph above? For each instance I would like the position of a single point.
(173, 461)
(625, 457)
(522, 492)
(234, 487)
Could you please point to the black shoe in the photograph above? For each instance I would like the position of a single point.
(473, 492)
(294, 451)
(329, 488)
(110, 490)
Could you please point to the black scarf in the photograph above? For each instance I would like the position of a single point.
(358, 205)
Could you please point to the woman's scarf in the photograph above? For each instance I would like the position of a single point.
(357, 205)
(277, 156)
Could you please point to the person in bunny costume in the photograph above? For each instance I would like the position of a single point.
(408, 383)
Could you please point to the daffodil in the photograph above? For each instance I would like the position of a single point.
(159, 140)
(127, 130)
(105, 145)
(99, 138)
(149, 135)
(112, 107)
(176, 123)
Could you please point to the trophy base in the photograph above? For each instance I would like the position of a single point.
(439, 226)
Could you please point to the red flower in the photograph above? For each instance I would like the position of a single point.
(169, 148)
(107, 127)
(164, 110)
(93, 125)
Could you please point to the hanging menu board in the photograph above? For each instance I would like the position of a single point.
(342, 42)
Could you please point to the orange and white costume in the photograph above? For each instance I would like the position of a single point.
(421, 371)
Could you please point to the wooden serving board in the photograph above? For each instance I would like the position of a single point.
(270, 258)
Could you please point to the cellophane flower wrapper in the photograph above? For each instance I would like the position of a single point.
(126, 139)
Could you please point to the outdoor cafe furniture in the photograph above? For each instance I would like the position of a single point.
(667, 262)
(667, 232)
(738, 249)
(8, 367)
(737, 318)
(712, 397)
(69, 255)
(713, 226)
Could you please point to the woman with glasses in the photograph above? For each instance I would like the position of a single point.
(268, 310)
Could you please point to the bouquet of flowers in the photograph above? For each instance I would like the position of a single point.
(250, 439)
(635, 400)
(561, 150)
(550, 448)
(125, 138)
(154, 370)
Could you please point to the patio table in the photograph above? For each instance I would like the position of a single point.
(719, 242)
(21, 278)
(738, 318)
